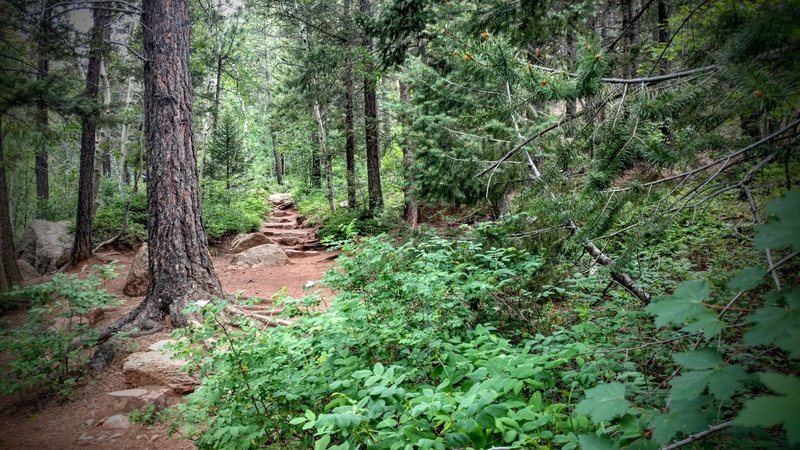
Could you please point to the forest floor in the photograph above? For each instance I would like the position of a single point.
(45, 423)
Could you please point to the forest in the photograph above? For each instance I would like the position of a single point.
(400, 224)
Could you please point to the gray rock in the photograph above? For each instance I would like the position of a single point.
(117, 422)
(27, 271)
(157, 369)
(247, 241)
(267, 255)
(123, 402)
(138, 277)
(46, 245)
(280, 198)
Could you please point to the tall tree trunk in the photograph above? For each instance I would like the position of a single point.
(123, 135)
(82, 247)
(371, 124)
(9, 272)
(349, 130)
(316, 164)
(278, 160)
(410, 208)
(323, 154)
(217, 90)
(102, 150)
(663, 33)
(570, 106)
(275, 153)
(42, 71)
(104, 142)
(180, 265)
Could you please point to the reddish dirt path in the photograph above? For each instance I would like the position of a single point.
(47, 424)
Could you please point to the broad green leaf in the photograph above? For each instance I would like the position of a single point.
(771, 410)
(684, 304)
(698, 359)
(685, 308)
(595, 442)
(747, 278)
(781, 231)
(774, 324)
(684, 417)
(604, 402)
(722, 382)
(322, 443)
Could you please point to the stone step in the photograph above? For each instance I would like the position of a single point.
(284, 232)
(279, 213)
(289, 219)
(305, 246)
(292, 253)
(284, 225)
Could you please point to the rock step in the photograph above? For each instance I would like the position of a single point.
(284, 219)
(280, 213)
(283, 225)
(292, 253)
(287, 232)
(305, 246)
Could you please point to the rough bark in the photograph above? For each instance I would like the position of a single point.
(410, 208)
(349, 130)
(42, 123)
(180, 266)
(9, 271)
(371, 124)
(82, 247)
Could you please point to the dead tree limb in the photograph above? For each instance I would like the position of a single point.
(622, 278)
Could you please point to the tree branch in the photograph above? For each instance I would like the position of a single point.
(725, 158)
(697, 436)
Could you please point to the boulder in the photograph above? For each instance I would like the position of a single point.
(27, 271)
(46, 245)
(138, 276)
(157, 369)
(267, 255)
(280, 198)
(244, 242)
(123, 402)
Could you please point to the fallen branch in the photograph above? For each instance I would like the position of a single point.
(620, 277)
(266, 320)
(725, 158)
(697, 436)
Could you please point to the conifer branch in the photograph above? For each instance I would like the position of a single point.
(717, 161)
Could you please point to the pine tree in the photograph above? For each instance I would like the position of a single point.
(228, 159)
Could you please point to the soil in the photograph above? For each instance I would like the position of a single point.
(41, 422)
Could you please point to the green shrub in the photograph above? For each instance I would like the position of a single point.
(40, 349)
(336, 225)
(110, 213)
(396, 360)
(232, 211)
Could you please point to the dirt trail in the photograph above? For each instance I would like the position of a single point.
(46, 424)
